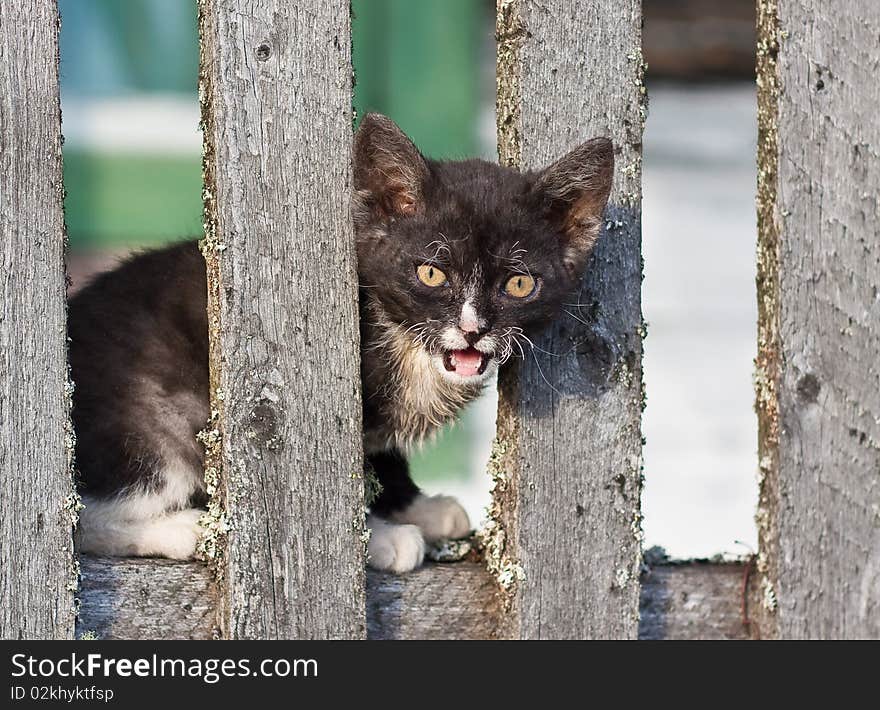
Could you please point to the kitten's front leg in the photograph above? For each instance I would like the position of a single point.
(400, 547)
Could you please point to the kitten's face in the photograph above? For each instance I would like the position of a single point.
(468, 260)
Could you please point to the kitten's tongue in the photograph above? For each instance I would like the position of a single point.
(465, 363)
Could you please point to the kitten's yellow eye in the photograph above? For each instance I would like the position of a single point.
(431, 275)
(520, 286)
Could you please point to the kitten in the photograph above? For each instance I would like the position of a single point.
(460, 263)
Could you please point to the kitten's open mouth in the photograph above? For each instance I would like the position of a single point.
(466, 363)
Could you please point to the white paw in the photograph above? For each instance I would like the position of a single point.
(184, 535)
(438, 517)
(181, 535)
(398, 548)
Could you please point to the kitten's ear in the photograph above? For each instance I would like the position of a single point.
(389, 171)
(573, 192)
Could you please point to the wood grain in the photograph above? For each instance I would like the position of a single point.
(439, 601)
(567, 461)
(276, 107)
(819, 333)
(36, 486)
(122, 599)
(693, 600)
(136, 598)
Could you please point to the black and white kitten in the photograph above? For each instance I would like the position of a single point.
(460, 263)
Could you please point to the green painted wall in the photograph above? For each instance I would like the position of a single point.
(115, 199)
(417, 61)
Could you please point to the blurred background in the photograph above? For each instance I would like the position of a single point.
(132, 168)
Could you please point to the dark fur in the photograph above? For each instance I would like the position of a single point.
(138, 347)
(141, 327)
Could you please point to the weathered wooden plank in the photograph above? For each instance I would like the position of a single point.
(276, 108)
(568, 455)
(440, 601)
(693, 600)
(137, 598)
(37, 507)
(161, 599)
(818, 378)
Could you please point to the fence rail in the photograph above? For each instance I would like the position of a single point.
(284, 455)
(155, 599)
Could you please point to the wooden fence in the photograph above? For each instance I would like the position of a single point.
(563, 549)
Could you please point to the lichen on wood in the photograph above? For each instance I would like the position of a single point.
(499, 554)
(767, 366)
(509, 36)
(215, 522)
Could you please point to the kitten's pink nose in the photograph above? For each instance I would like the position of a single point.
(469, 321)
(469, 326)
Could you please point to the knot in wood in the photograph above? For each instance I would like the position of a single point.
(263, 52)
(264, 424)
(808, 388)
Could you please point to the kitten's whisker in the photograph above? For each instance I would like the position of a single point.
(447, 239)
(514, 259)
(546, 352)
(514, 250)
(522, 352)
(535, 347)
(414, 325)
(507, 347)
(543, 376)
(440, 247)
(579, 320)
